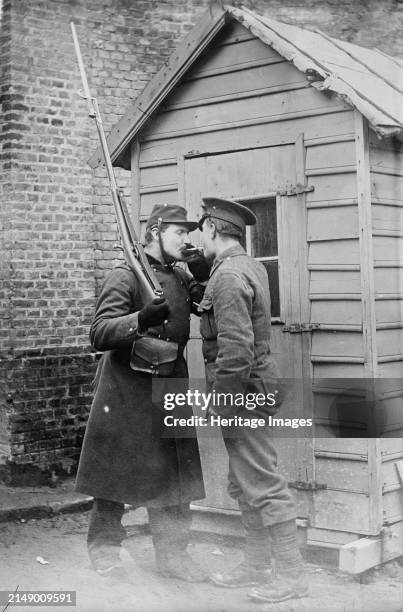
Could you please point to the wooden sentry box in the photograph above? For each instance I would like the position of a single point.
(306, 130)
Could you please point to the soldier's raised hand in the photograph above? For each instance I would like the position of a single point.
(196, 262)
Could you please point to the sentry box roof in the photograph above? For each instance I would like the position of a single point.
(367, 79)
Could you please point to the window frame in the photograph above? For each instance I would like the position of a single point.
(279, 320)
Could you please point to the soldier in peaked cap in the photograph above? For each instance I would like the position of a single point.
(127, 456)
(228, 211)
(235, 328)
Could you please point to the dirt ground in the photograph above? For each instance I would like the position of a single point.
(61, 542)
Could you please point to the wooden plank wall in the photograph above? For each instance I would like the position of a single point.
(334, 258)
(386, 160)
(338, 351)
(242, 95)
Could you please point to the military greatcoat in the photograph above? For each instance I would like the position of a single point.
(127, 455)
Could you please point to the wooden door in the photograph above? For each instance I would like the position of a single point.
(261, 179)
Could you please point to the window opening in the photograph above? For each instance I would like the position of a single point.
(261, 242)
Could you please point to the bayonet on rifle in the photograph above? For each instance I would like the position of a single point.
(133, 250)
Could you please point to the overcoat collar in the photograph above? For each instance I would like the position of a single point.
(155, 263)
(234, 251)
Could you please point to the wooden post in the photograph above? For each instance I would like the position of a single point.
(366, 246)
(368, 311)
(305, 308)
(135, 184)
(181, 181)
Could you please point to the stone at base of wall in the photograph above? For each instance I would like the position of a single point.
(24, 503)
(28, 474)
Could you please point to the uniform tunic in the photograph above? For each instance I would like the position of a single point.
(126, 455)
(235, 328)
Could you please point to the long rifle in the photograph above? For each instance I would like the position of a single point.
(133, 250)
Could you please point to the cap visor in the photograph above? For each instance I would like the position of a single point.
(190, 225)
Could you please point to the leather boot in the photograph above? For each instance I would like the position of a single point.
(289, 580)
(255, 567)
(170, 530)
(242, 575)
(175, 563)
(105, 534)
(105, 560)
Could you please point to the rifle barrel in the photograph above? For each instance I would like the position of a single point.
(129, 240)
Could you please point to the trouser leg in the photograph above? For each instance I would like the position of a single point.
(263, 496)
(265, 501)
(257, 539)
(289, 579)
(254, 480)
(262, 493)
(170, 526)
(285, 547)
(255, 567)
(105, 534)
(105, 525)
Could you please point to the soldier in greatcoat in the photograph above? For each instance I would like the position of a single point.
(235, 328)
(127, 457)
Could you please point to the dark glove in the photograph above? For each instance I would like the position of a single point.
(196, 262)
(153, 313)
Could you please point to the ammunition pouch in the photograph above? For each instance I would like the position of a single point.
(154, 356)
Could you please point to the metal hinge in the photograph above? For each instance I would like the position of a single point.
(299, 328)
(307, 485)
(296, 190)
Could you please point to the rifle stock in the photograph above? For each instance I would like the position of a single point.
(132, 248)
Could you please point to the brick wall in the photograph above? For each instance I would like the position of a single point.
(57, 223)
(5, 214)
(48, 242)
